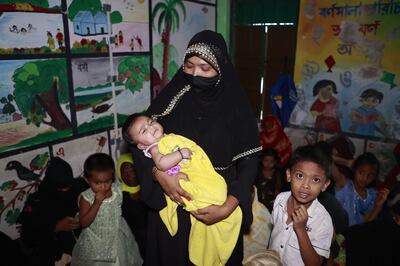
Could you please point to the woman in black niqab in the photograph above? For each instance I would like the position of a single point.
(45, 226)
(215, 113)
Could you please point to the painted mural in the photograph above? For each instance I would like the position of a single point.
(76, 151)
(34, 102)
(89, 26)
(43, 33)
(93, 92)
(173, 26)
(347, 71)
(21, 176)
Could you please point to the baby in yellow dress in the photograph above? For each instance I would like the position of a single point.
(173, 153)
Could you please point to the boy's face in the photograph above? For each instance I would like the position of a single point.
(145, 131)
(307, 180)
(369, 102)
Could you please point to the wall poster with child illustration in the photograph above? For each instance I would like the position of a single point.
(347, 68)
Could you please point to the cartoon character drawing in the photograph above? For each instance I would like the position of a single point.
(139, 40)
(120, 37)
(50, 40)
(116, 40)
(366, 119)
(326, 107)
(60, 38)
(299, 114)
(132, 44)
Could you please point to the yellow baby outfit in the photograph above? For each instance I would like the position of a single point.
(208, 244)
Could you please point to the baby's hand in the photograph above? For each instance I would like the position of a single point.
(300, 217)
(100, 196)
(381, 197)
(186, 153)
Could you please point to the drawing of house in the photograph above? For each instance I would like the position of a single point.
(86, 24)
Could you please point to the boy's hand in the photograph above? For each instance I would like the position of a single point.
(300, 217)
(186, 153)
(381, 197)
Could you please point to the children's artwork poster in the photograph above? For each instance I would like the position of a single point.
(20, 176)
(94, 104)
(347, 71)
(89, 26)
(34, 102)
(173, 26)
(42, 33)
(300, 137)
(385, 152)
(76, 151)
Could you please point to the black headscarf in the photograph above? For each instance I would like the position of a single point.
(220, 121)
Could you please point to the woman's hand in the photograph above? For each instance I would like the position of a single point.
(214, 213)
(66, 224)
(171, 186)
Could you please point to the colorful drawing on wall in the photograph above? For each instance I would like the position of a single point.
(41, 34)
(76, 151)
(93, 92)
(347, 66)
(34, 102)
(46, 6)
(385, 154)
(173, 26)
(20, 176)
(88, 26)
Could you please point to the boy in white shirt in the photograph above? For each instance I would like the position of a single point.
(302, 228)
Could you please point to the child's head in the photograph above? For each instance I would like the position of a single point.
(371, 98)
(324, 88)
(308, 173)
(270, 159)
(126, 171)
(99, 171)
(142, 130)
(365, 169)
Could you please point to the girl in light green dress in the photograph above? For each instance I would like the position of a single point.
(106, 238)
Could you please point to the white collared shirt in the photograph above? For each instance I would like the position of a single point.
(284, 239)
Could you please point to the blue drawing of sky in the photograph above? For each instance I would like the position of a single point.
(7, 70)
(37, 37)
